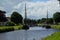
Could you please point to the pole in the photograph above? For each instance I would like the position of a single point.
(25, 26)
(25, 15)
(47, 17)
(25, 22)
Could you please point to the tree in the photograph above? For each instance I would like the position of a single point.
(50, 20)
(56, 17)
(43, 20)
(2, 16)
(16, 18)
(59, 1)
(28, 21)
(38, 21)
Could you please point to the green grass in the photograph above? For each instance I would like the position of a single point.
(55, 27)
(54, 36)
(15, 27)
(10, 28)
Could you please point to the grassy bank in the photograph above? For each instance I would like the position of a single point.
(54, 36)
(9, 28)
(55, 27)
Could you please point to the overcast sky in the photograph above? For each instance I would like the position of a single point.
(36, 9)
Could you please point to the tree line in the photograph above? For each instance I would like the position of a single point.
(54, 20)
(16, 18)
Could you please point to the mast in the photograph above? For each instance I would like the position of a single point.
(47, 17)
(25, 15)
(47, 25)
(25, 12)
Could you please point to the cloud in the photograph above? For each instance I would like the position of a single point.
(39, 9)
(36, 9)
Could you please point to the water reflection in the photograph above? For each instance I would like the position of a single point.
(35, 33)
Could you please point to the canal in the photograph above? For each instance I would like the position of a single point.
(34, 33)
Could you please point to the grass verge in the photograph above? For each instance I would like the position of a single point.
(54, 36)
(55, 27)
(9, 28)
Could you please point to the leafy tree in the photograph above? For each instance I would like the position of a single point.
(58, 0)
(16, 18)
(2, 16)
(50, 20)
(28, 21)
(43, 20)
(39, 20)
(56, 17)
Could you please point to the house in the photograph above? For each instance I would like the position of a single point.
(3, 23)
(8, 19)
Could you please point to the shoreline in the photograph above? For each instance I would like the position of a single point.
(4, 29)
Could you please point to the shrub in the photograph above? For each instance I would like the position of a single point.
(6, 30)
(10, 24)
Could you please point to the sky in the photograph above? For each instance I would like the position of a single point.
(36, 9)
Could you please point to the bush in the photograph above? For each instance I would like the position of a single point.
(6, 30)
(10, 24)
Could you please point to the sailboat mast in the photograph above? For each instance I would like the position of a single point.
(25, 14)
(47, 17)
